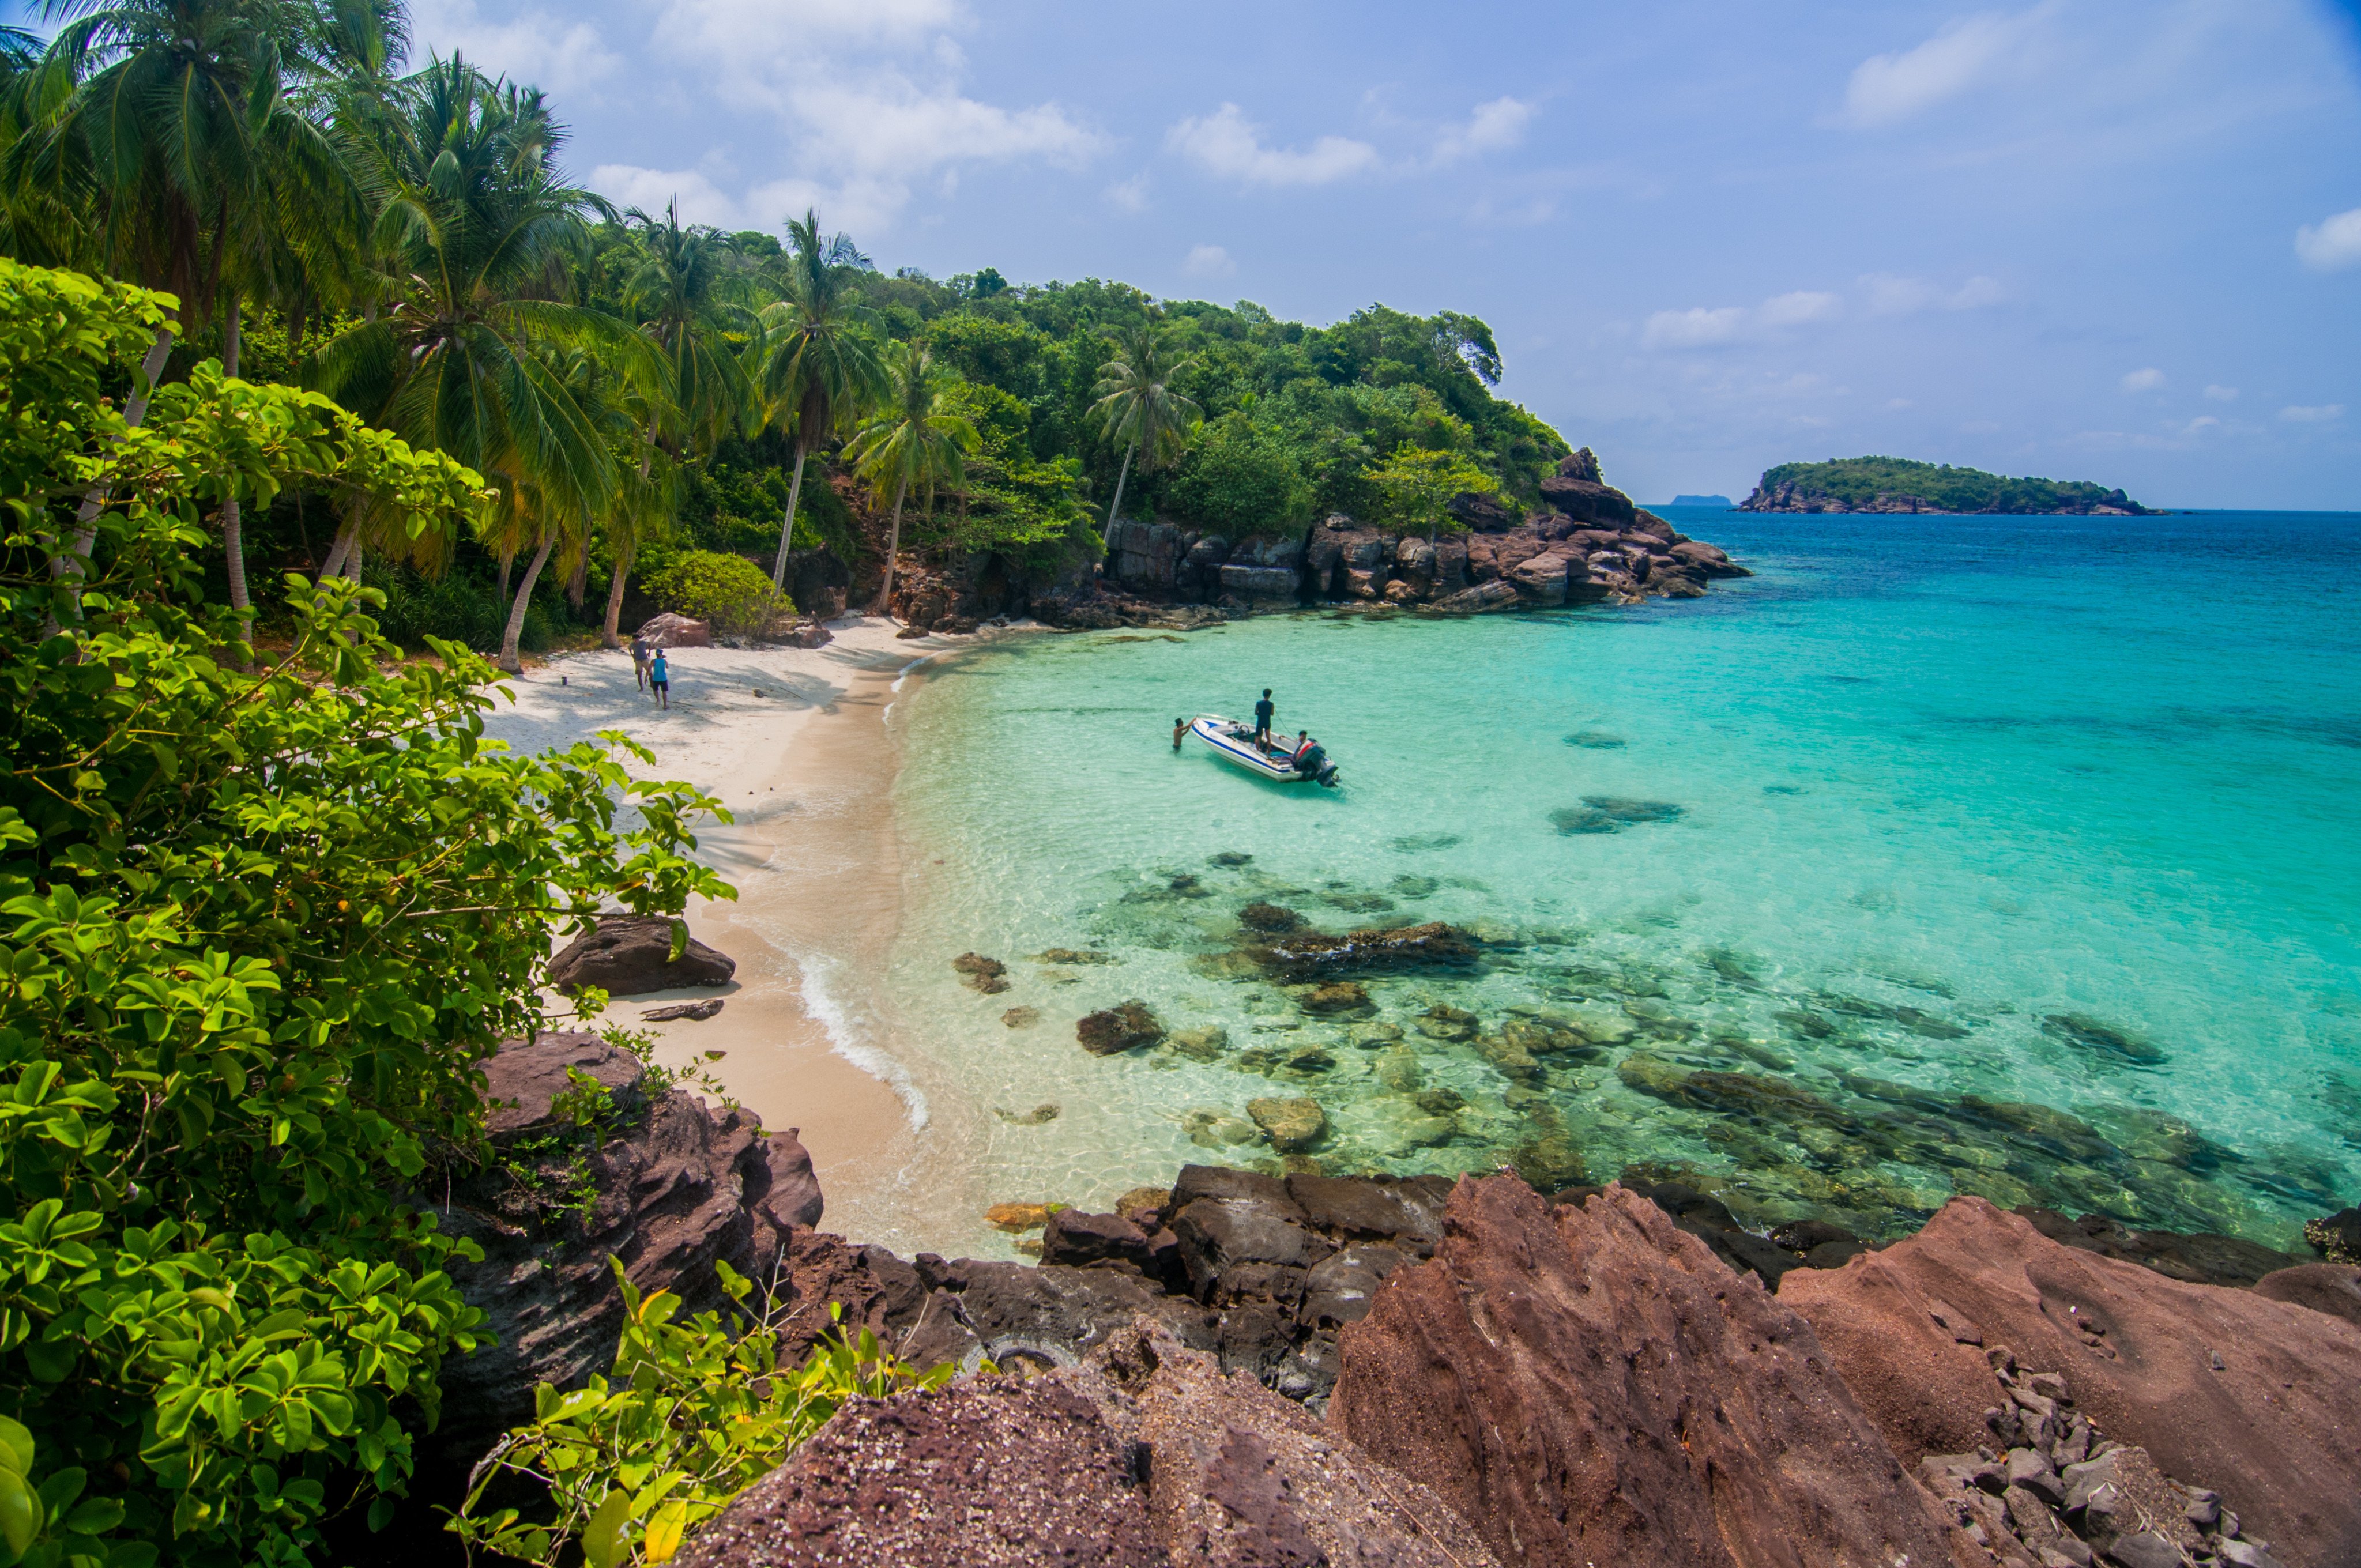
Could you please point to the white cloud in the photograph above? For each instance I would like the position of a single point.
(2220, 394)
(1965, 55)
(2331, 243)
(1891, 296)
(1130, 195)
(2202, 421)
(868, 94)
(534, 46)
(1208, 261)
(1799, 308)
(701, 202)
(2319, 413)
(1703, 327)
(1226, 143)
(2146, 380)
(1497, 125)
(1693, 328)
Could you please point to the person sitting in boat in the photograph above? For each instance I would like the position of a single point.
(1308, 760)
(1301, 740)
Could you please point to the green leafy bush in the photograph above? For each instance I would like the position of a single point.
(1418, 486)
(459, 608)
(691, 1415)
(727, 591)
(258, 922)
(1240, 481)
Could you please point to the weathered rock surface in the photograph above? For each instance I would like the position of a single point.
(2196, 1257)
(1005, 1470)
(2257, 1397)
(1124, 1026)
(1307, 954)
(674, 1188)
(2331, 1288)
(1589, 1384)
(628, 955)
(670, 630)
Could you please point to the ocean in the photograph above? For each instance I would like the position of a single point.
(2010, 856)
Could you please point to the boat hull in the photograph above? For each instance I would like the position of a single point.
(1234, 743)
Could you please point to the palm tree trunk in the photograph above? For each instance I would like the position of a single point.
(787, 529)
(232, 521)
(507, 559)
(885, 605)
(346, 541)
(68, 568)
(1119, 479)
(613, 637)
(509, 660)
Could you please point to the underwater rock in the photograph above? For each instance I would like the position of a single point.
(1040, 1115)
(1304, 954)
(1377, 1036)
(1595, 740)
(1124, 1026)
(1408, 886)
(1610, 814)
(1269, 917)
(1218, 1129)
(1021, 1017)
(1512, 1062)
(979, 973)
(2197, 1257)
(1229, 858)
(1201, 1043)
(1336, 997)
(2081, 1029)
(1074, 955)
(1292, 1124)
(1358, 903)
(1417, 843)
(2336, 1237)
(1547, 1034)
(1019, 1218)
(1143, 1204)
(1444, 1022)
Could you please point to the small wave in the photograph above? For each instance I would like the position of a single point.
(820, 975)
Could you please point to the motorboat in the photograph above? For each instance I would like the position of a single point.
(1235, 742)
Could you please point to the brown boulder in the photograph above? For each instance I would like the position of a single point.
(1587, 1384)
(998, 1471)
(2331, 1288)
(2257, 1398)
(630, 954)
(670, 630)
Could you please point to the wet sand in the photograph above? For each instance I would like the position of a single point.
(806, 769)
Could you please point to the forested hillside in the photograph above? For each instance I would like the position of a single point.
(1899, 484)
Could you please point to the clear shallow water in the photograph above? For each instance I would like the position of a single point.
(2003, 855)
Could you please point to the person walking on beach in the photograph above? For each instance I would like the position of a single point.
(660, 681)
(1179, 728)
(640, 659)
(1263, 710)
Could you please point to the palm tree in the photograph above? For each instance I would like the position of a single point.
(477, 222)
(531, 516)
(820, 363)
(179, 110)
(909, 444)
(690, 295)
(1137, 406)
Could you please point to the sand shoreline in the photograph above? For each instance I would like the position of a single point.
(806, 769)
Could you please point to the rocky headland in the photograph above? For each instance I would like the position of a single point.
(1587, 544)
(1298, 1369)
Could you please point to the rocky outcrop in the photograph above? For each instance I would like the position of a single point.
(2331, 1288)
(817, 582)
(1146, 1453)
(2257, 1397)
(670, 630)
(587, 1168)
(1587, 1384)
(630, 954)
(1588, 545)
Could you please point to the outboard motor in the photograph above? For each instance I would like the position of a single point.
(1326, 775)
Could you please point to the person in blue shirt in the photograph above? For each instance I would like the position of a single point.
(660, 680)
(1263, 710)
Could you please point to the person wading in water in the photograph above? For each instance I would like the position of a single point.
(1179, 728)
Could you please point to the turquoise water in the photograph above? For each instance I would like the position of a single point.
(1948, 855)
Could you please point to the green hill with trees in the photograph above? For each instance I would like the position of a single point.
(1899, 484)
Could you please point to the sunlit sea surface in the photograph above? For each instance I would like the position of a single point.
(2006, 856)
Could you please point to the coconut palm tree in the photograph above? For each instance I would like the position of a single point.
(478, 223)
(909, 443)
(178, 107)
(691, 295)
(1138, 408)
(822, 363)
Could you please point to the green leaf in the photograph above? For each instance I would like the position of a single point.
(603, 1543)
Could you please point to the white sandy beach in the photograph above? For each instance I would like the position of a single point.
(794, 741)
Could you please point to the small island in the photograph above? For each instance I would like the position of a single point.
(1699, 501)
(1899, 484)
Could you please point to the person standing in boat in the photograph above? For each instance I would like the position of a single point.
(1263, 711)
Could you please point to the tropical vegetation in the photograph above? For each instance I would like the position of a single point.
(1889, 483)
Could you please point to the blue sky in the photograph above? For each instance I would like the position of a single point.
(2108, 239)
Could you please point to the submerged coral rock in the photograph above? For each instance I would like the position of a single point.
(1019, 1218)
(1305, 954)
(2080, 1029)
(1123, 1027)
(1074, 955)
(1292, 1124)
(2336, 1237)
(1269, 917)
(1021, 1017)
(979, 973)
(1444, 1022)
(1337, 996)
(1610, 814)
(2255, 1397)
(1587, 1384)
(630, 954)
